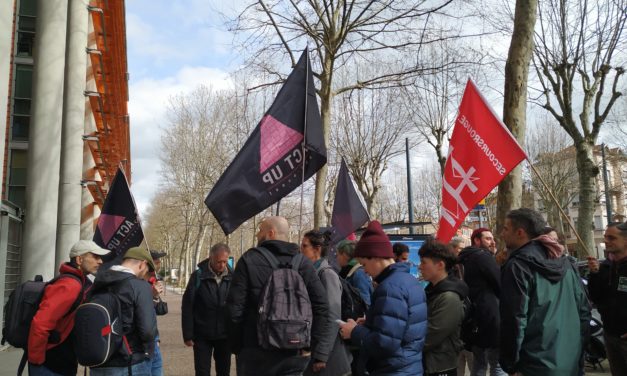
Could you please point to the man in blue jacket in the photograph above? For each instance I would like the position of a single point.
(392, 336)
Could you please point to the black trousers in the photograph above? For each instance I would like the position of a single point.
(202, 357)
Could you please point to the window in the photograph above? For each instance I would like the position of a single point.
(598, 222)
(17, 177)
(26, 28)
(22, 102)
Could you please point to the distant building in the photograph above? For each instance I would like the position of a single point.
(616, 161)
(63, 105)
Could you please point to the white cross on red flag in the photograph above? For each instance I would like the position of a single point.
(481, 153)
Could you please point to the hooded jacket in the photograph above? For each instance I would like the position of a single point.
(393, 335)
(250, 276)
(139, 321)
(204, 304)
(446, 312)
(608, 290)
(483, 278)
(545, 314)
(49, 331)
(339, 360)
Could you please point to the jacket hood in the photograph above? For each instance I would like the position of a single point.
(67, 268)
(535, 255)
(469, 252)
(450, 283)
(400, 267)
(281, 247)
(110, 277)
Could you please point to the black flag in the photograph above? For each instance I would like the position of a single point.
(349, 213)
(270, 164)
(118, 226)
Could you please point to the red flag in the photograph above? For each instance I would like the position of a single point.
(481, 153)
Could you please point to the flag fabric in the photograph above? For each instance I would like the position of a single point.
(118, 227)
(481, 153)
(349, 213)
(270, 164)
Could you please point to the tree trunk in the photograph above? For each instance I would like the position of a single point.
(326, 99)
(588, 171)
(515, 101)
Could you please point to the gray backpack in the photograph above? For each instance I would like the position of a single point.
(285, 314)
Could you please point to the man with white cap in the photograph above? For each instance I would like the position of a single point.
(49, 346)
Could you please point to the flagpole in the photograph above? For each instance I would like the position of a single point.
(570, 224)
(302, 181)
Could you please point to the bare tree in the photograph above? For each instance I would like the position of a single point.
(369, 131)
(432, 99)
(385, 33)
(550, 150)
(579, 51)
(515, 101)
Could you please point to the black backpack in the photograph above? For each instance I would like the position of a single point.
(98, 331)
(469, 328)
(353, 305)
(22, 306)
(285, 314)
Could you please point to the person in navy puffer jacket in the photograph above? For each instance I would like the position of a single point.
(392, 334)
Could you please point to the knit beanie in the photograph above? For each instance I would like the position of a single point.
(374, 243)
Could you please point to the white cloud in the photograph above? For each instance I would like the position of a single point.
(147, 108)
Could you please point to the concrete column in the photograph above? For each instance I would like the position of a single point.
(44, 154)
(70, 197)
(6, 35)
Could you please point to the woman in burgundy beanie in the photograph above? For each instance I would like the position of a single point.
(392, 334)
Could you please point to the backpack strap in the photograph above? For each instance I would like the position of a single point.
(272, 260)
(79, 299)
(20, 368)
(296, 261)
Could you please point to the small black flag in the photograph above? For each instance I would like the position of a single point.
(270, 164)
(349, 213)
(118, 226)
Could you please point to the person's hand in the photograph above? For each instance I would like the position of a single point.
(361, 320)
(593, 264)
(157, 289)
(189, 343)
(347, 329)
(319, 366)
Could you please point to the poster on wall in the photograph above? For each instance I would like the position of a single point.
(414, 242)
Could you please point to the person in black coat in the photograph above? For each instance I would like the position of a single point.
(482, 275)
(204, 312)
(250, 276)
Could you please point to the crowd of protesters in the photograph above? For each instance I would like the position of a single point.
(527, 314)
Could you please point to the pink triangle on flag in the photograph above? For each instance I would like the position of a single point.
(108, 225)
(276, 140)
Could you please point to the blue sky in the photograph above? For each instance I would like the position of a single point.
(172, 47)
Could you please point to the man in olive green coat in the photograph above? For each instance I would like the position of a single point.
(544, 311)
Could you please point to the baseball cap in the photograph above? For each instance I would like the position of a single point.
(157, 254)
(86, 246)
(142, 254)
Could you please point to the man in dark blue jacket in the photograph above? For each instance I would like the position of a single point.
(608, 290)
(392, 336)
(204, 312)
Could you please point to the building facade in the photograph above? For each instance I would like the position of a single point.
(562, 165)
(64, 117)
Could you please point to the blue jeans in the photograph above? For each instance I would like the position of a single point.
(34, 370)
(484, 357)
(139, 369)
(156, 364)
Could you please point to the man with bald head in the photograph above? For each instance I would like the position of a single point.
(249, 277)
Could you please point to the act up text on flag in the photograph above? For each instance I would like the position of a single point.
(481, 153)
(270, 164)
(118, 227)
